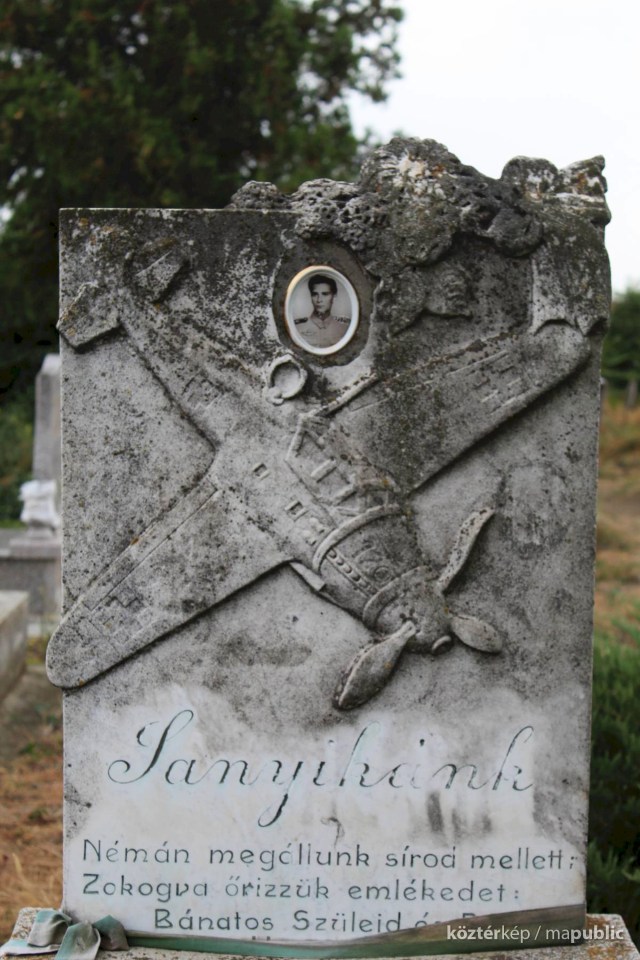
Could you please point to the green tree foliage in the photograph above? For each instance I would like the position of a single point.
(621, 356)
(164, 103)
(16, 442)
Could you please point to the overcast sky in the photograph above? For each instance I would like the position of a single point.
(494, 79)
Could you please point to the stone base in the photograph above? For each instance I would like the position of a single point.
(610, 940)
(13, 637)
(34, 566)
(30, 547)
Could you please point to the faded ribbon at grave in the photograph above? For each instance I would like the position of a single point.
(516, 930)
(55, 932)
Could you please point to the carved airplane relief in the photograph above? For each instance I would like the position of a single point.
(324, 485)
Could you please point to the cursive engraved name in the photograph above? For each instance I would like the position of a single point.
(356, 767)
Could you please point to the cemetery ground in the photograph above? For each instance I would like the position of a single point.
(31, 735)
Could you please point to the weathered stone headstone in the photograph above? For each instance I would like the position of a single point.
(329, 483)
(13, 637)
(47, 451)
(41, 495)
(30, 559)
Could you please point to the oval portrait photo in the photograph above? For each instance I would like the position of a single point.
(321, 310)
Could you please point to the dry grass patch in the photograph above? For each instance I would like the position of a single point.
(620, 443)
(617, 608)
(31, 830)
(30, 793)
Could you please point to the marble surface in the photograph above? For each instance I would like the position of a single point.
(328, 617)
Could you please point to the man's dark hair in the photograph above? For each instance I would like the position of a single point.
(322, 278)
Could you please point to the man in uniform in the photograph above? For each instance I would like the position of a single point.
(321, 328)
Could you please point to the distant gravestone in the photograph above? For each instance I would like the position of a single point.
(13, 638)
(47, 450)
(41, 495)
(30, 561)
(329, 488)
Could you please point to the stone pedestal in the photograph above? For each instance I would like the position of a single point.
(33, 564)
(30, 559)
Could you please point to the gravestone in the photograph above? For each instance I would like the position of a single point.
(47, 451)
(30, 560)
(329, 488)
(13, 638)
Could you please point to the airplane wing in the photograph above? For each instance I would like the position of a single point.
(194, 556)
(210, 544)
(453, 402)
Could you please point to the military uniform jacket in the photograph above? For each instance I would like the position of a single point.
(322, 331)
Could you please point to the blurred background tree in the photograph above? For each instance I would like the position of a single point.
(621, 352)
(153, 103)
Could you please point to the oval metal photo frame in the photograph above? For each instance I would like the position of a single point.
(298, 305)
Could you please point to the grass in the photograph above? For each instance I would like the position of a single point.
(618, 558)
(614, 849)
(619, 442)
(31, 824)
(614, 824)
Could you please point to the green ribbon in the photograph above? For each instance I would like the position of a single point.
(523, 929)
(517, 930)
(55, 932)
